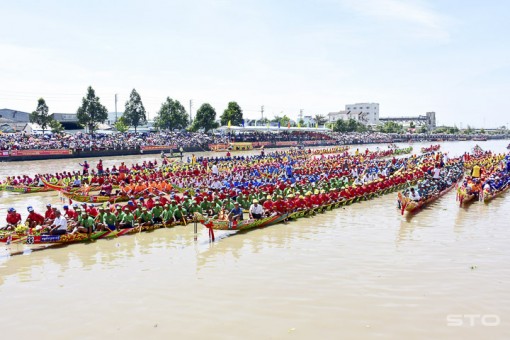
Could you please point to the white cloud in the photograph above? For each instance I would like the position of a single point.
(427, 22)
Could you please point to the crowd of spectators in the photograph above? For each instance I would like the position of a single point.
(117, 141)
(184, 139)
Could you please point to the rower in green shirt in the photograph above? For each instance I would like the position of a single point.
(99, 220)
(205, 205)
(194, 208)
(180, 215)
(138, 211)
(145, 218)
(128, 220)
(156, 212)
(229, 205)
(87, 223)
(167, 215)
(110, 219)
(119, 216)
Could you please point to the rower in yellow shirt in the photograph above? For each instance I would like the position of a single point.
(476, 171)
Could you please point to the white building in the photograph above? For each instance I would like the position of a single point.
(366, 113)
(308, 121)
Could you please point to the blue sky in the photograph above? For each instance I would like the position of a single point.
(410, 56)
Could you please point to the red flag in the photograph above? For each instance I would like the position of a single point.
(288, 125)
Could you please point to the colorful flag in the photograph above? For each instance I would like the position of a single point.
(278, 125)
(229, 123)
(299, 125)
(288, 125)
(317, 125)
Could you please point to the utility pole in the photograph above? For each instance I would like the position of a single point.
(300, 114)
(262, 112)
(115, 108)
(190, 116)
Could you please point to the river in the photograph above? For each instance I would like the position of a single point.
(361, 272)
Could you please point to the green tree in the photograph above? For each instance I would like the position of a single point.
(172, 115)
(284, 121)
(134, 112)
(320, 119)
(41, 116)
(91, 112)
(391, 127)
(56, 126)
(205, 118)
(423, 129)
(276, 119)
(121, 126)
(232, 114)
(350, 125)
(412, 125)
(301, 122)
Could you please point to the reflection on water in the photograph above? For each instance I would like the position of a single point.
(360, 272)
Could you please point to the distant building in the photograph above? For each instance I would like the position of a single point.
(7, 125)
(429, 120)
(308, 121)
(12, 120)
(113, 117)
(35, 129)
(16, 116)
(334, 116)
(365, 113)
(68, 120)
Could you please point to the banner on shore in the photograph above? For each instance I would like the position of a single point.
(319, 142)
(4, 153)
(36, 152)
(286, 143)
(259, 144)
(158, 147)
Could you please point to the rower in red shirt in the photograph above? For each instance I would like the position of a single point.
(49, 214)
(279, 206)
(69, 213)
(92, 211)
(268, 203)
(315, 198)
(33, 218)
(163, 200)
(106, 188)
(308, 201)
(289, 202)
(149, 204)
(13, 218)
(300, 203)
